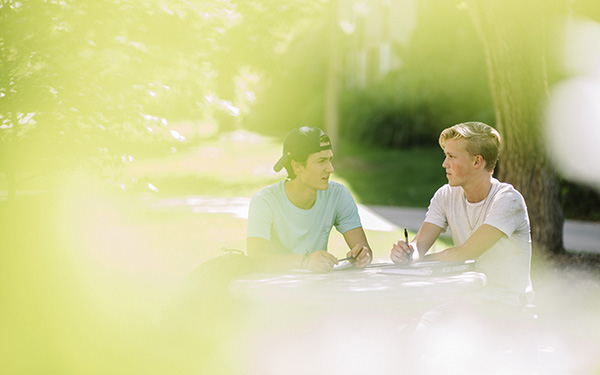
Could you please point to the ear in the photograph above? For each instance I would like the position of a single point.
(478, 162)
(297, 167)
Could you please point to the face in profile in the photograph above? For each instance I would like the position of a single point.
(458, 162)
(317, 170)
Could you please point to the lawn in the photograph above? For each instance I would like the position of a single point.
(377, 176)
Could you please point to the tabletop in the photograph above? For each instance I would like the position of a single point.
(354, 286)
(301, 322)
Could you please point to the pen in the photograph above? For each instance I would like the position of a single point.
(347, 258)
(406, 240)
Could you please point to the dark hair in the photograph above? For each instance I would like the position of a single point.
(288, 166)
(298, 145)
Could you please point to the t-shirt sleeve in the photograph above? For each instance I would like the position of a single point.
(507, 212)
(260, 218)
(347, 217)
(436, 214)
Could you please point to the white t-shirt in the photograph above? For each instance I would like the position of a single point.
(507, 264)
(294, 230)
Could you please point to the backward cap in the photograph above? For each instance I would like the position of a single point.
(302, 142)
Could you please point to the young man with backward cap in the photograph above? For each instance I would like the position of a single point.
(289, 222)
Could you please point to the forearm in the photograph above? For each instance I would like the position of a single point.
(359, 247)
(479, 242)
(448, 255)
(425, 238)
(356, 237)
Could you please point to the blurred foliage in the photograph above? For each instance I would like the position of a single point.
(293, 95)
(385, 114)
(81, 80)
(441, 81)
(95, 83)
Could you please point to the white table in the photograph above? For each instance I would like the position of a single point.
(342, 322)
(353, 286)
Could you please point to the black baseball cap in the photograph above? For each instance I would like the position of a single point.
(302, 142)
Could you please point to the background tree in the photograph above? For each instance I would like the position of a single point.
(96, 83)
(81, 80)
(514, 38)
(440, 80)
(268, 39)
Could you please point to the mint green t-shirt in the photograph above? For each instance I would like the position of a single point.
(293, 230)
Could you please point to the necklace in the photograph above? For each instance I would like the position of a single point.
(470, 211)
(481, 205)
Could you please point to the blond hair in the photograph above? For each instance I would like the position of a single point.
(481, 139)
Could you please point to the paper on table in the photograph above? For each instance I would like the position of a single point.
(431, 268)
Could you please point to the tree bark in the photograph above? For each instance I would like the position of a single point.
(513, 34)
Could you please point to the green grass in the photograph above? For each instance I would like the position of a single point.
(379, 176)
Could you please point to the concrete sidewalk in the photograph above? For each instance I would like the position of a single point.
(579, 236)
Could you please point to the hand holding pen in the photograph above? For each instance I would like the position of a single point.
(402, 251)
(360, 256)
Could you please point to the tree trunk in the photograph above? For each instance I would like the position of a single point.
(512, 32)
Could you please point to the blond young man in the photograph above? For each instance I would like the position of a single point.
(488, 219)
(289, 222)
